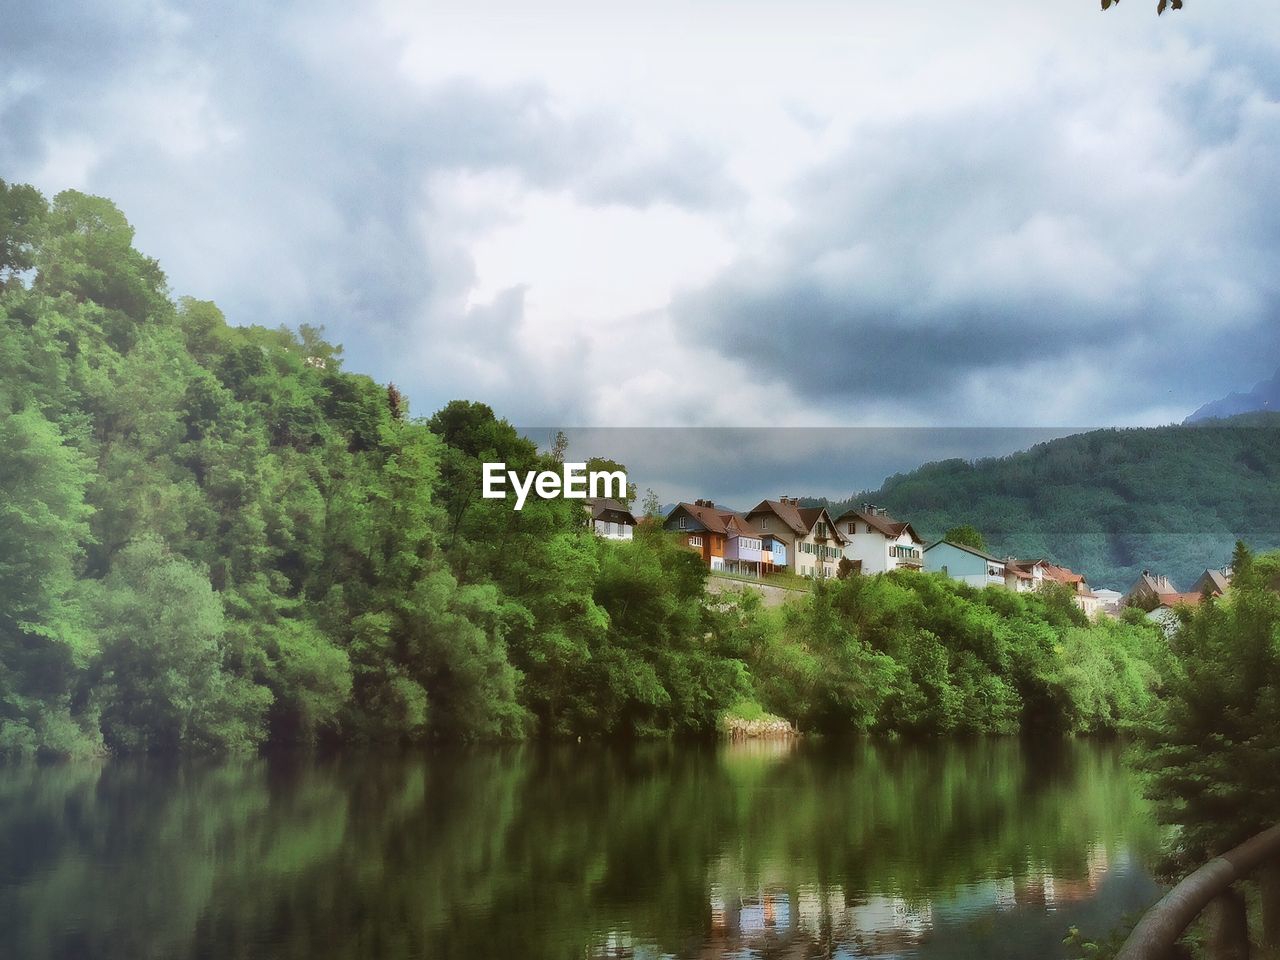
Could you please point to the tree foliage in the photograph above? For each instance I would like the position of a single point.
(1212, 748)
(213, 538)
(966, 535)
(1108, 503)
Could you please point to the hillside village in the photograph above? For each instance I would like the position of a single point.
(777, 538)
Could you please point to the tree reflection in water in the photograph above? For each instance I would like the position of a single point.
(761, 849)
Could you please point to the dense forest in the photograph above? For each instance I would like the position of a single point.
(1109, 503)
(212, 537)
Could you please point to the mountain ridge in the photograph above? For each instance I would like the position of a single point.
(1109, 503)
(1265, 396)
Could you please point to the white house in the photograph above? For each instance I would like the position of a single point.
(1109, 601)
(877, 543)
(610, 519)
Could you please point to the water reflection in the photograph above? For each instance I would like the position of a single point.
(988, 849)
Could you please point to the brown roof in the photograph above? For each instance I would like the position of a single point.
(811, 515)
(786, 512)
(709, 517)
(1173, 599)
(1026, 565)
(736, 525)
(1156, 583)
(604, 505)
(1218, 581)
(799, 519)
(1062, 574)
(881, 522)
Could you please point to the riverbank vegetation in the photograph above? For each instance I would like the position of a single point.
(1212, 748)
(213, 538)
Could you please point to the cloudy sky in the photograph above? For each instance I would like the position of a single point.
(709, 213)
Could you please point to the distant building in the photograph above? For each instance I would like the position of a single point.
(1217, 582)
(1024, 576)
(610, 519)
(1081, 595)
(1028, 575)
(813, 546)
(703, 529)
(1151, 591)
(879, 543)
(964, 563)
(1110, 601)
(724, 539)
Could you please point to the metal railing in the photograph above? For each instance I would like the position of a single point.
(1212, 887)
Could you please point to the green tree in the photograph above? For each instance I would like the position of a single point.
(22, 212)
(966, 535)
(159, 673)
(1213, 745)
(44, 646)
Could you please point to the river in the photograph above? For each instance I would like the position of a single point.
(959, 850)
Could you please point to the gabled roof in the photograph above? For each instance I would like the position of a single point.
(736, 525)
(709, 517)
(882, 523)
(786, 512)
(601, 506)
(800, 519)
(1062, 574)
(811, 515)
(967, 549)
(1217, 581)
(1157, 584)
(1026, 565)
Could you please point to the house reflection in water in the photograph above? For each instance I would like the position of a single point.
(809, 921)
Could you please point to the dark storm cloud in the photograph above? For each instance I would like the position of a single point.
(278, 160)
(1044, 231)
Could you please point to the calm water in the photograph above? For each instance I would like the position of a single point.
(977, 850)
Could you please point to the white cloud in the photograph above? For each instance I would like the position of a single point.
(541, 205)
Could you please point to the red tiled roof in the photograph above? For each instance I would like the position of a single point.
(1062, 574)
(1173, 599)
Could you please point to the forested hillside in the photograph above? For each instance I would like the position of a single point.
(1110, 503)
(212, 538)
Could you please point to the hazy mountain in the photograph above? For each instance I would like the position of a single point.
(1110, 503)
(1264, 396)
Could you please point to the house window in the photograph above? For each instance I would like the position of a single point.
(853, 528)
(695, 541)
(684, 523)
(764, 523)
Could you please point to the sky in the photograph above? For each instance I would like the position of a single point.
(722, 213)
